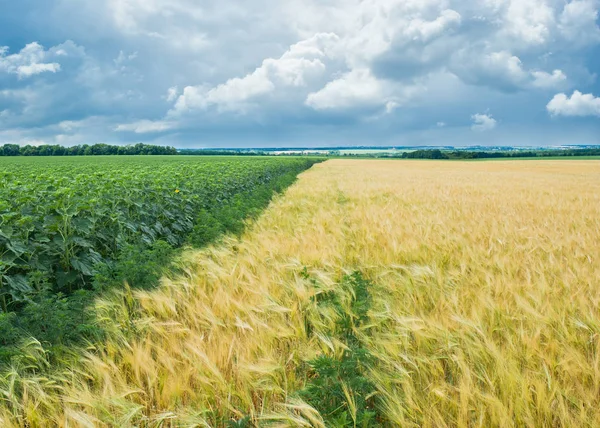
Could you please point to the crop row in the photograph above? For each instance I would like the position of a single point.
(60, 220)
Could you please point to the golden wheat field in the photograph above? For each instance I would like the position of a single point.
(484, 293)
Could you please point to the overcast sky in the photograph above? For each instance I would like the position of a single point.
(235, 73)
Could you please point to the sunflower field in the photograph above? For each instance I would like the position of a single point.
(69, 224)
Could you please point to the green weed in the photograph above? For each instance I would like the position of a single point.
(338, 385)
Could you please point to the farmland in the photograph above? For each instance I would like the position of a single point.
(68, 225)
(372, 293)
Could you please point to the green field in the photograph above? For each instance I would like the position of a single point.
(73, 226)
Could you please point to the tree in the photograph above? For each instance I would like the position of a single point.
(10, 150)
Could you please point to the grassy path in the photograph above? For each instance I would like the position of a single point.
(476, 304)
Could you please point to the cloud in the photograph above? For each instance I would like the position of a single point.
(24, 71)
(299, 73)
(28, 62)
(301, 63)
(123, 58)
(483, 122)
(145, 126)
(158, 19)
(422, 30)
(503, 65)
(357, 87)
(359, 90)
(544, 80)
(504, 71)
(578, 22)
(529, 21)
(232, 95)
(294, 72)
(172, 94)
(577, 105)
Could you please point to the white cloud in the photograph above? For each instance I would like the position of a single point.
(146, 126)
(67, 49)
(28, 62)
(356, 88)
(123, 58)
(175, 24)
(303, 60)
(172, 94)
(318, 67)
(374, 28)
(89, 123)
(296, 62)
(503, 70)
(483, 122)
(24, 71)
(419, 29)
(299, 64)
(505, 64)
(529, 21)
(577, 105)
(232, 95)
(578, 22)
(360, 90)
(342, 39)
(69, 125)
(129, 15)
(544, 80)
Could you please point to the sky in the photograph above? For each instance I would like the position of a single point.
(300, 73)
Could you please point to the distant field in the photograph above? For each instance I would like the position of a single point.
(372, 152)
(373, 293)
(357, 155)
(552, 158)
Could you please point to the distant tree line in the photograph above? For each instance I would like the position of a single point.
(147, 149)
(231, 152)
(85, 150)
(425, 154)
(465, 154)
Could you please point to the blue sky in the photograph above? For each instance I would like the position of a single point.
(255, 73)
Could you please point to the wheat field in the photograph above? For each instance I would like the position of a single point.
(484, 308)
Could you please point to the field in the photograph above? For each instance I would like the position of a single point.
(58, 218)
(73, 225)
(372, 293)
